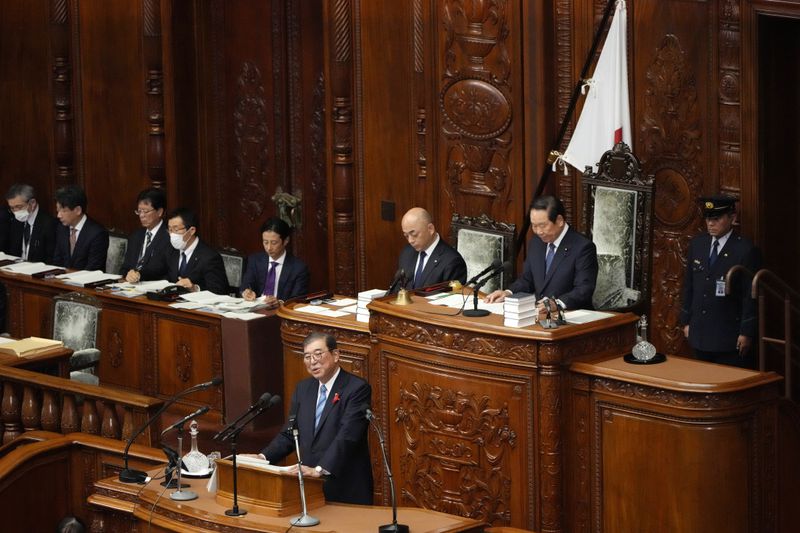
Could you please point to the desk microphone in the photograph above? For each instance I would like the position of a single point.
(394, 527)
(496, 268)
(266, 401)
(398, 277)
(495, 264)
(203, 410)
(137, 476)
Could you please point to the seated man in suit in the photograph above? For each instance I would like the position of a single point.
(328, 409)
(560, 262)
(81, 243)
(145, 257)
(274, 273)
(192, 263)
(427, 259)
(32, 235)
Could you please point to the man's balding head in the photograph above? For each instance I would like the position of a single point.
(418, 228)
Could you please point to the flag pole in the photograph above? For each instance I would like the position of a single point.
(562, 131)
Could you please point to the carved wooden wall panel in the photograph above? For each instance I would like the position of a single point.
(455, 433)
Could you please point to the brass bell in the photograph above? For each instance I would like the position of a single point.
(456, 286)
(403, 298)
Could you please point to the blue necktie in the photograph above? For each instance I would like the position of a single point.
(714, 253)
(182, 267)
(323, 395)
(548, 260)
(420, 267)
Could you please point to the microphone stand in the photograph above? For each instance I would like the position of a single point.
(304, 520)
(475, 312)
(179, 494)
(234, 437)
(394, 527)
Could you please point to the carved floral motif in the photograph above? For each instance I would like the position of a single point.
(251, 132)
(183, 362)
(457, 448)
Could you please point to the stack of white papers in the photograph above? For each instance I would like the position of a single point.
(28, 268)
(5, 257)
(365, 297)
(583, 316)
(319, 310)
(81, 278)
(456, 301)
(519, 310)
(208, 298)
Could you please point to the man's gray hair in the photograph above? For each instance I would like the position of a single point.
(21, 189)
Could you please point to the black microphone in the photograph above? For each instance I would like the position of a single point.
(292, 425)
(203, 410)
(394, 527)
(398, 276)
(137, 476)
(495, 271)
(262, 400)
(495, 264)
(267, 401)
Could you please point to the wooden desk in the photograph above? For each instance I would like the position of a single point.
(117, 502)
(680, 446)
(474, 412)
(54, 361)
(151, 348)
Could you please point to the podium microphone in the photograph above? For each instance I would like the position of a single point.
(496, 269)
(265, 400)
(129, 475)
(305, 519)
(398, 277)
(394, 527)
(203, 410)
(495, 265)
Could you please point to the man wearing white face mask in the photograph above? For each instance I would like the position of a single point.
(32, 235)
(192, 263)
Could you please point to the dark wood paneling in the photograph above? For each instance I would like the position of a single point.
(26, 104)
(113, 108)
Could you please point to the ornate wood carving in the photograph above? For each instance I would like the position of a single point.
(31, 409)
(343, 199)
(452, 339)
(151, 11)
(318, 180)
(475, 98)
(51, 411)
(89, 421)
(154, 101)
(183, 361)
(251, 135)
(671, 149)
(279, 53)
(456, 452)
(302, 329)
(551, 480)
(730, 108)
(564, 83)
(63, 139)
(582, 458)
(115, 348)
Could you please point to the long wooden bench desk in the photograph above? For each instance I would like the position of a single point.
(151, 348)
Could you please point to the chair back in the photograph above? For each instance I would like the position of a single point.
(618, 218)
(117, 246)
(75, 320)
(234, 263)
(480, 240)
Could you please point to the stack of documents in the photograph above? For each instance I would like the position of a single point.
(29, 346)
(519, 310)
(28, 268)
(365, 297)
(132, 290)
(83, 278)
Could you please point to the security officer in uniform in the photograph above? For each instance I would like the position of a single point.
(720, 328)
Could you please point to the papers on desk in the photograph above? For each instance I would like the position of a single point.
(208, 298)
(242, 316)
(344, 302)
(28, 268)
(6, 257)
(321, 311)
(583, 316)
(29, 346)
(82, 278)
(456, 301)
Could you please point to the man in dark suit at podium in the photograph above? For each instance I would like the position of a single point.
(32, 235)
(192, 263)
(332, 428)
(427, 259)
(145, 256)
(720, 327)
(81, 243)
(560, 262)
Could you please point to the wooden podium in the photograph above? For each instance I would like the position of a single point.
(267, 492)
(474, 412)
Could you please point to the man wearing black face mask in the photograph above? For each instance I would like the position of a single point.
(192, 263)
(32, 235)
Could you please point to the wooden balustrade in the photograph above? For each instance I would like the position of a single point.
(33, 401)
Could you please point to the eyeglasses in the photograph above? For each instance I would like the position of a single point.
(19, 207)
(140, 212)
(315, 356)
(180, 230)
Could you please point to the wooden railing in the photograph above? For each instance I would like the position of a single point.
(33, 401)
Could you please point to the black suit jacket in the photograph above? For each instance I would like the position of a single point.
(715, 322)
(205, 268)
(573, 272)
(444, 264)
(292, 282)
(5, 228)
(340, 442)
(43, 238)
(154, 262)
(91, 247)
